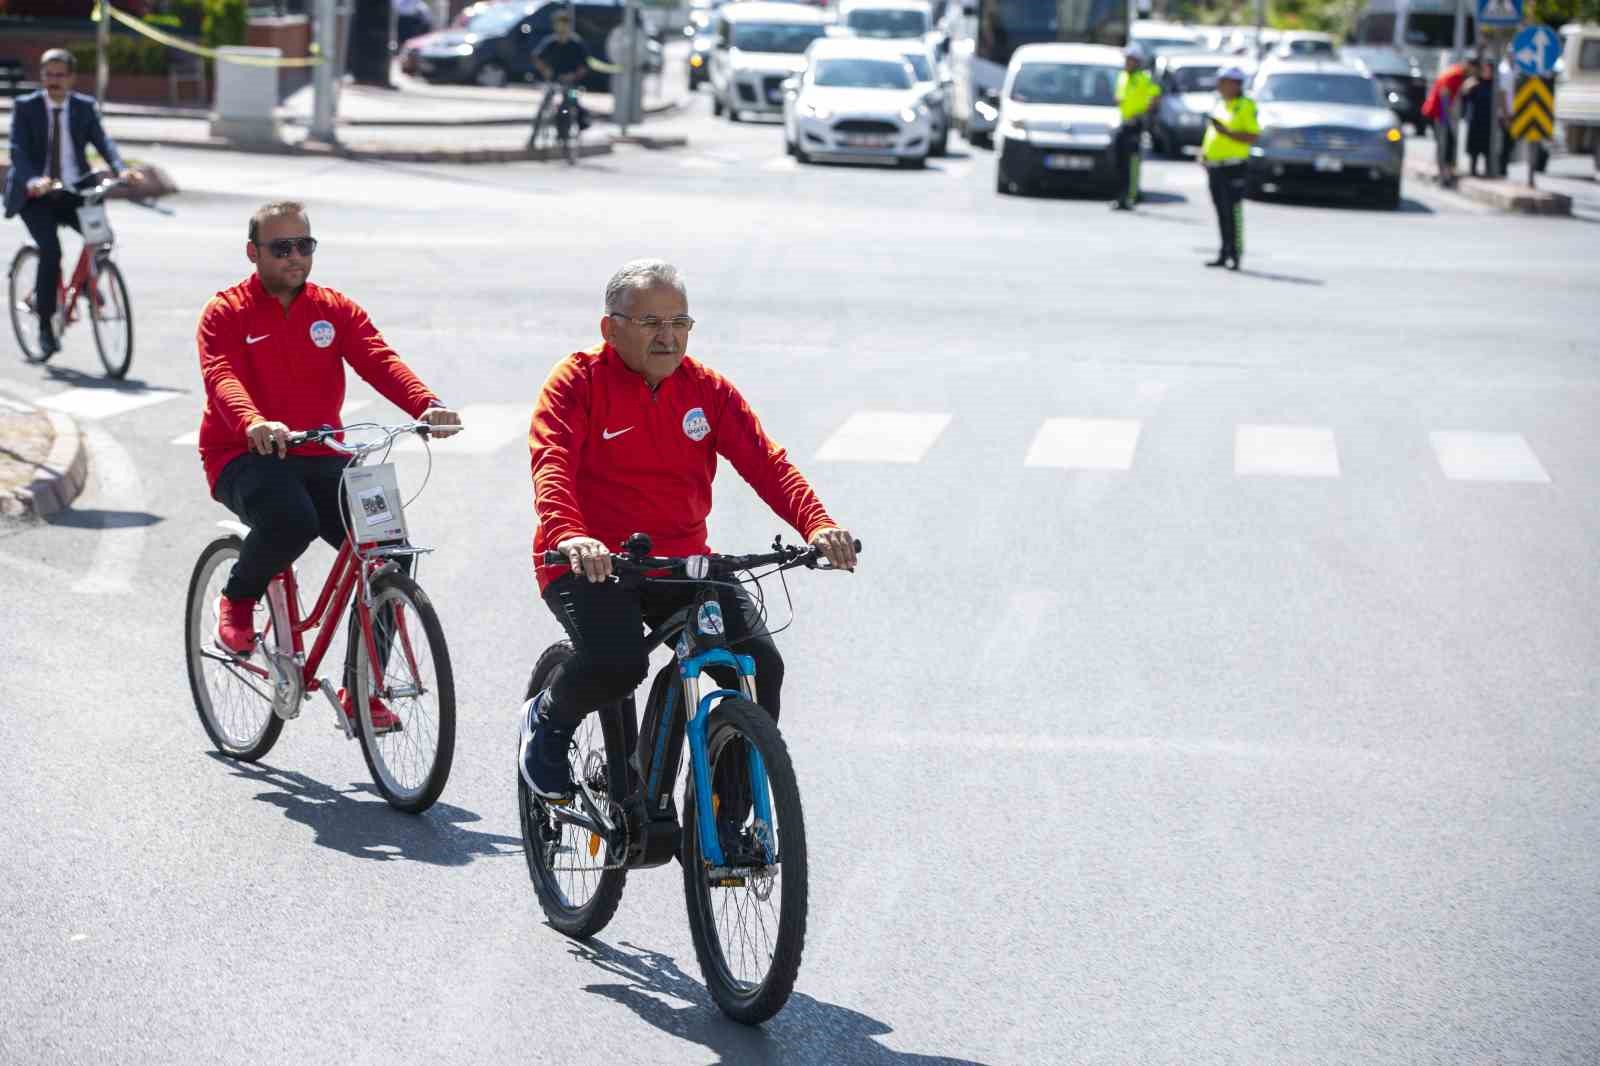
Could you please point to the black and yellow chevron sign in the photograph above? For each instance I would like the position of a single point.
(1532, 111)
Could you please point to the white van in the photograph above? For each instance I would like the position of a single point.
(1578, 89)
(758, 47)
(1425, 30)
(1058, 115)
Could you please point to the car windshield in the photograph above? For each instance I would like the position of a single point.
(886, 22)
(861, 74)
(1320, 89)
(790, 38)
(920, 66)
(1194, 79)
(1305, 48)
(1156, 45)
(1436, 31)
(1065, 83)
(495, 21)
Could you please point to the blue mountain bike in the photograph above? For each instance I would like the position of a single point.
(742, 841)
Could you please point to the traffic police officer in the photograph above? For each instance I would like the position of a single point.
(1137, 93)
(1231, 129)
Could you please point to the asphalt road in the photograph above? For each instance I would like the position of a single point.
(1218, 686)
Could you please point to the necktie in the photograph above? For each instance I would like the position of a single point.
(55, 143)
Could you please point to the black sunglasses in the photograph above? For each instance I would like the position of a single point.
(281, 247)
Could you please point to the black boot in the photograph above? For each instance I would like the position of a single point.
(48, 345)
(1220, 260)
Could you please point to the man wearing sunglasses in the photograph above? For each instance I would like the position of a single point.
(625, 438)
(273, 350)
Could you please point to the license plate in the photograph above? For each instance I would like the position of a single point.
(1068, 162)
(1327, 164)
(866, 140)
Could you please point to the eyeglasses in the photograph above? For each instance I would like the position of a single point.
(652, 324)
(281, 247)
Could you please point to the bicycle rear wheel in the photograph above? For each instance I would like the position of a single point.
(568, 864)
(409, 761)
(749, 928)
(543, 123)
(233, 700)
(111, 314)
(24, 318)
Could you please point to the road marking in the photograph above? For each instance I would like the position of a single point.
(883, 437)
(192, 438)
(1085, 443)
(1284, 451)
(96, 403)
(1150, 394)
(1487, 457)
(488, 428)
(118, 492)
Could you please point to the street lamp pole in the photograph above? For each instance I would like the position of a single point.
(102, 61)
(322, 106)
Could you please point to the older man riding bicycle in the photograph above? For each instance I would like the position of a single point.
(625, 439)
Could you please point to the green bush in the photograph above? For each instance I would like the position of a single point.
(224, 23)
(125, 55)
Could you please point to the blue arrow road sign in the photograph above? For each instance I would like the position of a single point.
(1535, 50)
(1499, 12)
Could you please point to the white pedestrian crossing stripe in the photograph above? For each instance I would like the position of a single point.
(96, 403)
(1085, 443)
(1487, 457)
(488, 427)
(884, 437)
(1285, 451)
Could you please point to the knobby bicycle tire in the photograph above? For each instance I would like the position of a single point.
(756, 1003)
(589, 917)
(197, 630)
(412, 800)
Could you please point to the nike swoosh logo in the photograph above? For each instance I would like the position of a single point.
(606, 434)
(252, 340)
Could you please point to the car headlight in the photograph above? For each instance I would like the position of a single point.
(1393, 135)
(461, 50)
(910, 114)
(696, 61)
(1014, 129)
(1188, 118)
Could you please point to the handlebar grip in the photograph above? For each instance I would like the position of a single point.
(555, 558)
(297, 439)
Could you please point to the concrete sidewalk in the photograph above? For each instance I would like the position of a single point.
(1510, 193)
(43, 464)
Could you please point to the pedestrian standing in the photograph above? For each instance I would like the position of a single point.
(1136, 93)
(1477, 100)
(1231, 128)
(1443, 106)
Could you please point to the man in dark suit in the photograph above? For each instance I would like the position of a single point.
(50, 130)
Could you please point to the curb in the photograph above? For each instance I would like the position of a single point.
(655, 110)
(58, 480)
(1499, 194)
(372, 154)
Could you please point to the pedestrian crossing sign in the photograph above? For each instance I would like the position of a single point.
(1499, 12)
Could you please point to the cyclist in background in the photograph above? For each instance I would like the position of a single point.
(625, 439)
(562, 57)
(273, 349)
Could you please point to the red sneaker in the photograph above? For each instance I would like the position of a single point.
(236, 625)
(383, 719)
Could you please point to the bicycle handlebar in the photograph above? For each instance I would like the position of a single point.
(329, 435)
(631, 562)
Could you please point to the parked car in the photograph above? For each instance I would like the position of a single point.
(886, 19)
(1325, 128)
(1058, 113)
(1188, 83)
(496, 46)
(1578, 89)
(1156, 38)
(935, 85)
(758, 46)
(411, 49)
(1400, 78)
(857, 100)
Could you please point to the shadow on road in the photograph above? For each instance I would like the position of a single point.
(805, 1031)
(92, 518)
(1288, 279)
(373, 829)
(78, 379)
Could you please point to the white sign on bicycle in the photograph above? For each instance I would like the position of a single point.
(377, 512)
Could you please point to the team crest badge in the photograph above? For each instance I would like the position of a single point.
(322, 333)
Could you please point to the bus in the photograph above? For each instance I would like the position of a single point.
(988, 31)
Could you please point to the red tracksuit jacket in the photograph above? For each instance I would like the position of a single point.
(260, 361)
(610, 458)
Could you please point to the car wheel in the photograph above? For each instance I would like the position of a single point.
(1389, 195)
(913, 163)
(979, 140)
(1002, 184)
(716, 104)
(490, 75)
(733, 113)
(801, 156)
(942, 145)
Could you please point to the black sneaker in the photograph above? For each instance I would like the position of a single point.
(542, 753)
(48, 345)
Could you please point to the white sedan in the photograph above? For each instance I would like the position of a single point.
(857, 100)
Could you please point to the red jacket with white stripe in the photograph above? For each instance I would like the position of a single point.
(611, 458)
(260, 361)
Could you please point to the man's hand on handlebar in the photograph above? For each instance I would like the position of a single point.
(838, 546)
(589, 557)
(268, 437)
(42, 186)
(443, 421)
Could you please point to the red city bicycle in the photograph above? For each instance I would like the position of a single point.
(96, 281)
(395, 652)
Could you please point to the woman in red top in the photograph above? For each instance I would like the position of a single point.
(625, 439)
(273, 349)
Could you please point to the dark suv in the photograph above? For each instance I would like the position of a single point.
(496, 46)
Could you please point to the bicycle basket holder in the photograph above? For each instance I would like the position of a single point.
(94, 224)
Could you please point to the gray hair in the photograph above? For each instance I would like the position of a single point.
(641, 274)
(60, 55)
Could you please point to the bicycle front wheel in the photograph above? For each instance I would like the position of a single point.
(233, 697)
(408, 749)
(24, 316)
(112, 317)
(578, 881)
(748, 919)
